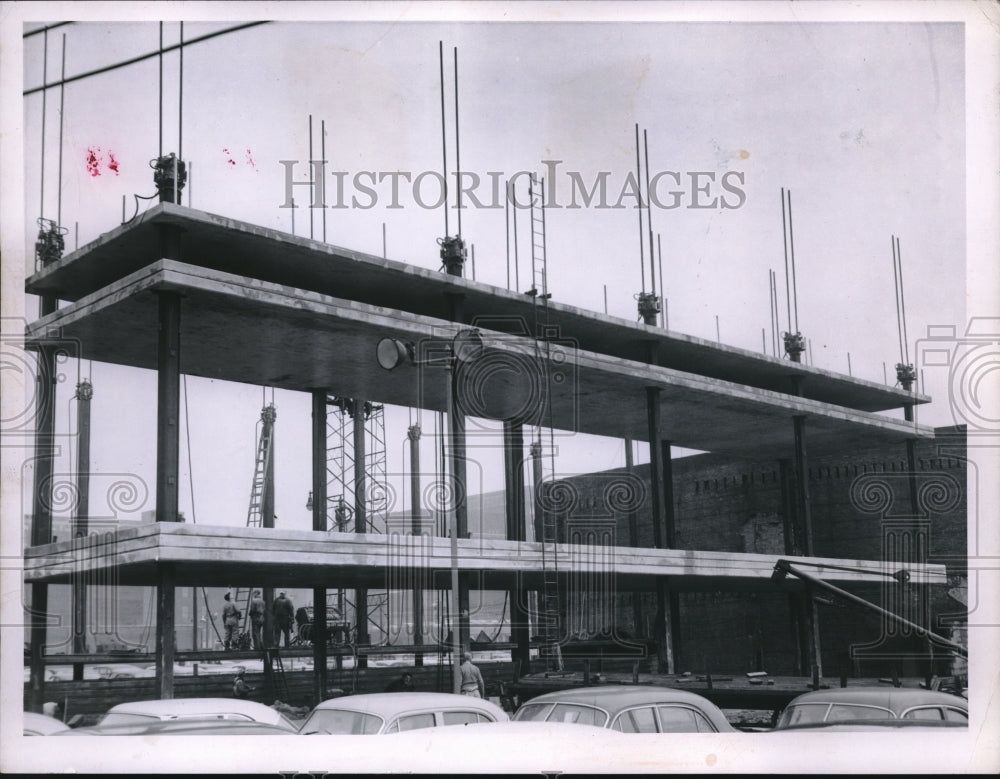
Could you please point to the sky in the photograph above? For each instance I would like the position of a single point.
(868, 119)
(862, 123)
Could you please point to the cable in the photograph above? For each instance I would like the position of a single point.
(44, 29)
(140, 58)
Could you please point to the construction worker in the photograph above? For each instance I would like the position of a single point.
(403, 684)
(240, 687)
(283, 611)
(257, 620)
(231, 622)
(472, 679)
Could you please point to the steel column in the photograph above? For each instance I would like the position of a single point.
(165, 636)
(802, 497)
(416, 509)
(319, 525)
(633, 541)
(360, 522)
(662, 622)
(456, 421)
(84, 393)
(514, 488)
(451, 525)
(168, 407)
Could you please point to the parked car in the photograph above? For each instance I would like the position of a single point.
(185, 726)
(42, 724)
(145, 712)
(849, 708)
(629, 709)
(391, 712)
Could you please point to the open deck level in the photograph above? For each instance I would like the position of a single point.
(206, 556)
(218, 243)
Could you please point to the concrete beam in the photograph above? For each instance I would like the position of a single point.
(233, 326)
(210, 555)
(271, 255)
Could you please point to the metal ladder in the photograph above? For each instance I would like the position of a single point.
(273, 656)
(255, 516)
(549, 616)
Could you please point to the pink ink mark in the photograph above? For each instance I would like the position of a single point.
(112, 162)
(250, 161)
(230, 161)
(93, 161)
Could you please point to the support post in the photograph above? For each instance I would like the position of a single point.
(319, 525)
(802, 498)
(268, 417)
(633, 541)
(319, 639)
(165, 649)
(455, 626)
(84, 393)
(662, 634)
(673, 606)
(514, 488)
(360, 522)
(456, 421)
(168, 407)
(416, 508)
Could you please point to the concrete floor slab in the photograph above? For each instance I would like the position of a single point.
(215, 242)
(245, 330)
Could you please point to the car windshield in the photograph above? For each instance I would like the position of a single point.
(341, 722)
(532, 712)
(562, 712)
(815, 713)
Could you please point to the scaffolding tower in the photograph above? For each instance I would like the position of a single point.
(341, 458)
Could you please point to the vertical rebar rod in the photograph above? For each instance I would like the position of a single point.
(76, 235)
(642, 239)
(45, 92)
(322, 186)
(605, 299)
(718, 337)
(663, 286)
(895, 281)
(458, 159)
(902, 302)
(123, 209)
(849, 371)
(885, 375)
(160, 57)
(444, 145)
(784, 241)
(62, 90)
(293, 216)
(649, 214)
(180, 100)
(791, 249)
(545, 262)
(763, 340)
(517, 263)
(772, 288)
(472, 250)
(506, 227)
(312, 177)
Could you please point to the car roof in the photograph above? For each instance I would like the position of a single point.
(185, 727)
(389, 704)
(616, 697)
(895, 698)
(189, 707)
(42, 724)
